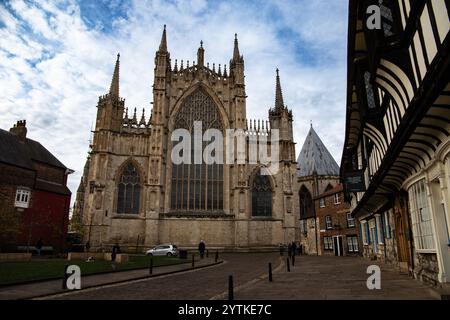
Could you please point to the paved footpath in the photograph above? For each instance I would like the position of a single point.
(332, 278)
(311, 278)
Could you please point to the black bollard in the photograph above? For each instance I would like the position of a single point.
(193, 261)
(288, 265)
(217, 255)
(270, 272)
(293, 260)
(65, 277)
(151, 265)
(230, 288)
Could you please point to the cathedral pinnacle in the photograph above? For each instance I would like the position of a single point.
(163, 45)
(114, 88)
(279, 104)
(236, 56)
(201, 55)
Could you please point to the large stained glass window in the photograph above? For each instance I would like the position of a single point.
(197, 187)
(129, 190)
(261, 196)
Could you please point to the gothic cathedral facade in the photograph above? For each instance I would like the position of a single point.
(133, 194)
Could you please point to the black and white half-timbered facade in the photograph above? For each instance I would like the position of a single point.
(396, 157)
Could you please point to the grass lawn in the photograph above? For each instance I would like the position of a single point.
(41, 269)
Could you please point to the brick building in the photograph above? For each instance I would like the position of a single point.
(33, 186)
(337, 230)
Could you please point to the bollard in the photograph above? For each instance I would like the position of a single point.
(151, 265)
(207, 253)
(270, 272)
(193, 261)
(217, 255)
(230, 288)
(293, 260)
(65, 277)
(288, 265)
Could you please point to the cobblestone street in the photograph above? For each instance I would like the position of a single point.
(311, 278)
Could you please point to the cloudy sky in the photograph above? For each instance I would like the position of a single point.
(57, 57)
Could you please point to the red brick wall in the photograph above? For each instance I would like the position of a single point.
(47, 218)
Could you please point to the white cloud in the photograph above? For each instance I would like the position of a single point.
(52, 76)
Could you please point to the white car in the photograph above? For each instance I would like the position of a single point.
(163, 250)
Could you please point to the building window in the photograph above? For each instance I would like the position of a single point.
(336, 199)
(421, 216)
(306, 203)
(322, 202)
(352, 244)
(328, 243)
(23, 196)
(304, 226)
(328, 222)
(350, 220)
(261, 196)
(197, 187)
(129, 190)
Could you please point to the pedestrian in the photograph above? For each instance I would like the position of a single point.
(281, 249)
(294, 248)
(201, 248)
(39, 246)
(289, 250)
(114, 252)
(87, 246)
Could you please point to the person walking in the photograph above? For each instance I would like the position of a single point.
(39, 246)
(294, 248)
(114, 252)
(289, 250)
(201, 249)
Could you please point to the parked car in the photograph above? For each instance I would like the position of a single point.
(163, 250)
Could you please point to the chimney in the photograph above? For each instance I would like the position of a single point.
(20, 129)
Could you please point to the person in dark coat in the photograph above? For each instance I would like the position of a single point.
(114, 252)
(289, 250)
(294, 248)
(39, 246)
(281, 249)
(87, 246)
(202, 248)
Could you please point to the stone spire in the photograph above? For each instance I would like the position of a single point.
(201, 55)
(163, 45)
(279, 104)
(236, 55)
(114, 88)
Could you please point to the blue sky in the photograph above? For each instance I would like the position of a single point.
(57, 57)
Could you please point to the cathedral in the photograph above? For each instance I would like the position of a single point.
(133, 194)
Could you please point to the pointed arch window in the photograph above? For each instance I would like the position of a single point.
(197, 187)
(129, 191)
(261, 196)
(306, 203)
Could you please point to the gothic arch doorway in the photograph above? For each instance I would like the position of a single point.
(306, 203)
